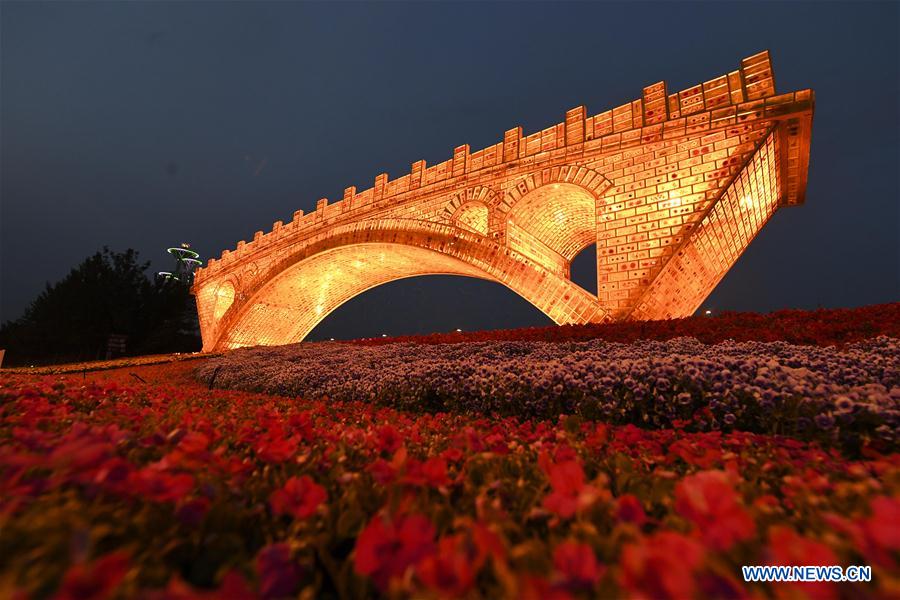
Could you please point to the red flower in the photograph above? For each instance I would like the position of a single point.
(190, 453)
(570, 494)
(489, 542)
(577, 564)
(160, 486)
(882, 530)
(278, 449)
(452, 454)
(302, 423)
(788, 548)
(711, 503)
(113, 473)
(81, 454)
(451, 571)
(433, 472)
(630, 510)
(721, 585)
(279, 575)
(233, 587)
(193, 443)
(660, 567)
(696, 453)
(94, 581)
(496, 443)
(300, 497)
(382, 471)
(388, 546)
(389, 439)
(536, 588)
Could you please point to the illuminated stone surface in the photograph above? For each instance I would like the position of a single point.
(671, 187)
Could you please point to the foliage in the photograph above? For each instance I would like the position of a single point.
(175, 489)
(168, 489)
(844, 397)
(822, 327)
(107, 293)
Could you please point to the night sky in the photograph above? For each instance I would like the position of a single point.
(145, 124)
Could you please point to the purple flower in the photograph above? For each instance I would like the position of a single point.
(279, 576)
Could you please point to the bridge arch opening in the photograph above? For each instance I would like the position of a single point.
(583, 269)
(553, 224)
(297, 299)
(429, 304)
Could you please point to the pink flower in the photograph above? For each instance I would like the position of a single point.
(388, 546)
(709, 501)
(299, 497)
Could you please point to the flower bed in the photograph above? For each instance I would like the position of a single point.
(176, 490)
(849, 397)
(823, 327)
(103, 365)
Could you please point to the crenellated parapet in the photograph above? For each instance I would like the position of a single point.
(740, 97)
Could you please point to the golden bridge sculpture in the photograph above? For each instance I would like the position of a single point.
(671, 187)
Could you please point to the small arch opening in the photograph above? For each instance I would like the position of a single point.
(560, 216)
(583, 269)
(473, 216)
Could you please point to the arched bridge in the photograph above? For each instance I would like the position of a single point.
(671, 187)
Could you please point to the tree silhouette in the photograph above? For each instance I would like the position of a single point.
(108, 293)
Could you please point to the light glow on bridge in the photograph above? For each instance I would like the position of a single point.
(672, 187)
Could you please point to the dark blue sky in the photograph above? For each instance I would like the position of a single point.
(145, 124)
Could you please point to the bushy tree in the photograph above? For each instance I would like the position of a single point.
(108, 293)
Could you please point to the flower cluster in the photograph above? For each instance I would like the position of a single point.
(823, 327)
(111, 487)
(846, 397)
